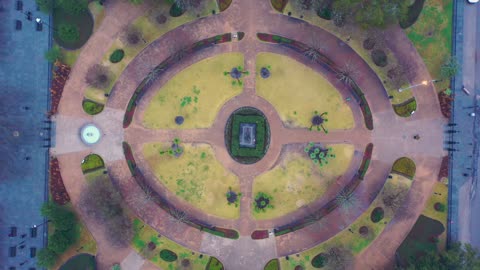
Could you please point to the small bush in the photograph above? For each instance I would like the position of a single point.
(168, 255)
(325, 13)
(369, 43)
(363, 231)
(92, 108)
(439, 207)
(379, 58)
(377, 215)
(98, 76)
(117, 56)
(176, 11)
(320, 260)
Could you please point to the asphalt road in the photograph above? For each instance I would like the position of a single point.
(471, 80)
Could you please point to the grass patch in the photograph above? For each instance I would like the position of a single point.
(150, 33)
(420, 240)
(406, 109)
(91, 107)
(439, 195)
(404, 166)
(296, 181)
(197, 93)
(355, 242)
(196, 177)
(432, 37)
(145, 234)
(91, 163)
(80, 262)
(296, 91)
(83, 21)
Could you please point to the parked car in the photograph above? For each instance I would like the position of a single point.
(472, 1)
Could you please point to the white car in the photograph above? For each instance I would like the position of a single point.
(472, 1)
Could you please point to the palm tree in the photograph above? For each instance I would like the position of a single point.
(318, 120)
(346, 200)
(313, 52)
(347, 73)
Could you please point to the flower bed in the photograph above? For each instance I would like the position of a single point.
(445, 104)
(260, 234)
(367, 156)
(127, 151)
(156, 72)
(329, 65)
(443, 168)
(60, 77)
(57, 188)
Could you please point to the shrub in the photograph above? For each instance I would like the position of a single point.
(116, 267)
(176, 10)
(377, 215)
(439, 207)
(61, 217)
(405, 167)
(91, 107)
(68, 32)
(53, 54)
(262, 202)
(379, 58)
(369, 43)
(413, 13)
(132, 36)
(74, 6)
(168, 255)
(60, 241)
(117, 56)
(320, 260)
(325, 13)
(272, 265)
(363, 231)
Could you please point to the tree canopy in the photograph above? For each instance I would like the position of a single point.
(458, 257)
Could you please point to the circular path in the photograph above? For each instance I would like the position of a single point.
(392, 135)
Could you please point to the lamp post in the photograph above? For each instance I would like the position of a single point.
(38, 20)
(415, 85)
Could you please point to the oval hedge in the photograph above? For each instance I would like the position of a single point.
(176, 11)
(377, 215)
(320, 260)
(117, 56)
(168, 255)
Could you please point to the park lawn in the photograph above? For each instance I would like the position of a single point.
(205, 86)
(196, 177)
(297, 91)
(92, 162)
(356, 43)
(296, 181)
(85, 243)
(430, 211)
(432, 36)
(346, 239)
(95, 174)
(145, 234)
(150, 33)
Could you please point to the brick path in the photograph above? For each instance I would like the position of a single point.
(392, 135)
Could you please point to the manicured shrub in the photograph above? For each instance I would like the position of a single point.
(379, 57)
(68, 32)
(91, 107)
(117, 56)
(272, 265)
(369, 43)
(168, 255)
(377, 215)
(439, 207)
(325, 13)
(320, 260)
(363, 231)
(176, 10)
(262, 202)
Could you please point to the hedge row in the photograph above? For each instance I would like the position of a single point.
(164, 66)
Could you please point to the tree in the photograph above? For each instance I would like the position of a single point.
(347, 73)
(119, 230)
(394, 195)
(46, 258)
(46, 6)
(62, 218)
(449, 68)
(458, 257)
(314, 52)
(346, 200)
(187, 4)
(68, 32)
(339, 258)
(73, 6)
(60, 241)
(132, 36)
(98, 76)
(53, 54)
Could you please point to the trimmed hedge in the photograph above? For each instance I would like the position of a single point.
(377, 215)
(404, 166)
(406, 108)
(320, 260)
(214, 264)
(379, 58)
(91, 163)
(168, 255)
(272, 265)
(176, 11)
(117, 56)
(91, 107)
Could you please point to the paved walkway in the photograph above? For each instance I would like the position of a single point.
(392, 136)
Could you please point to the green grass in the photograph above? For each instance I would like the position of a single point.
(354, 242)
(406, 109)
(196, 177)
(432, 36)
(80, 262)
(214, 264)
(297, 91)
(91, 107)
(197, 93)
(296, 181)
(92, 162)
(272, 265)
(145, 234)
(439, 195)
(83, 21)
(404, 166)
